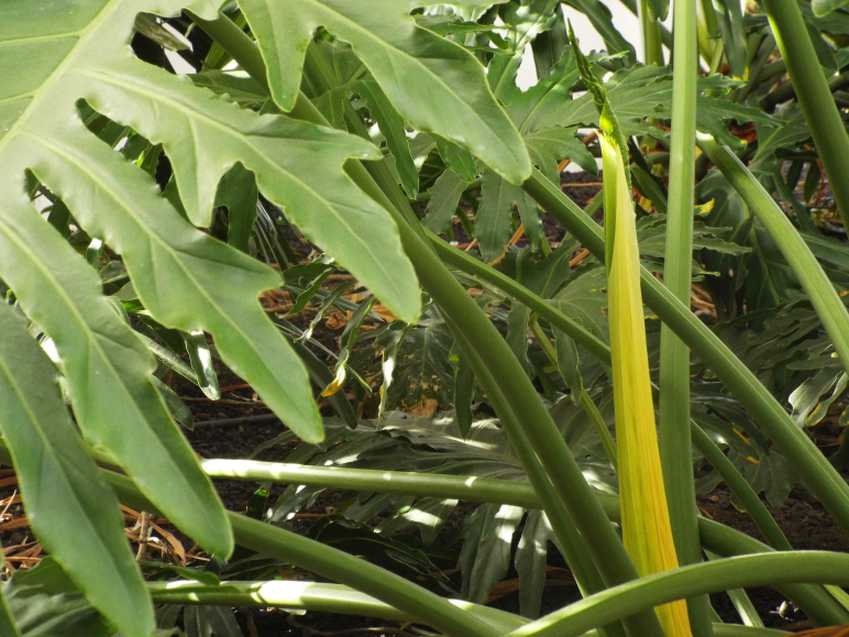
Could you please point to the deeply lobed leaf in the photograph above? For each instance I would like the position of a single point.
(435, 84)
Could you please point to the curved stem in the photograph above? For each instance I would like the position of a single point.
(335, 598)
(808, 271)
(309, 596)
(818, 474)
(332, 563)
(826, 567)
(814, 96)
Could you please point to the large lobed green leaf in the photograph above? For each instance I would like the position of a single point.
(72, 511)
(108, 370)
(435, 84)
(55, 53)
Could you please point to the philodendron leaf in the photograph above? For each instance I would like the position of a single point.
(186, 279)
(72, 511)
(426, 77)
(108, 370)
(204, 136)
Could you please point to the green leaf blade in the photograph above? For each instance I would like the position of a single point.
(109, 372)
(205, 136)
(423, 75)
(73, 513)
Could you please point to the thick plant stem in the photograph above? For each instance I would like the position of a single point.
(467, 488)
(674, 374)
(763, 569)
(573, 545)
(334, 564)
(818, 474)
(814, 96)
(808, 271)
(308, 596)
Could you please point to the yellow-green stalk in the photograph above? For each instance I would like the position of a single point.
(646, 528)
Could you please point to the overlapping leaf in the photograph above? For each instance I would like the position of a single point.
(108, 369)
(425, 76)
(74, 514)
(186, 279)
(205, 136)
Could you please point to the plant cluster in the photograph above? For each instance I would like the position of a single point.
(351, 210)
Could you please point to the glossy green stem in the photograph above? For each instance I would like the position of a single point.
(821, 293)
(675, 444)
(826, 567)
(718, 537)
(335, 598)
(469, 488)
(818, 474)
(334, 564)
(308, 596)
(814, 96)
(652, 43)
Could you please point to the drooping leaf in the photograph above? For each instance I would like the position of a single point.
(423, 75)
(204, 136)
(73, 513)
(646, 526)
(647, 531)
(108, 370)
